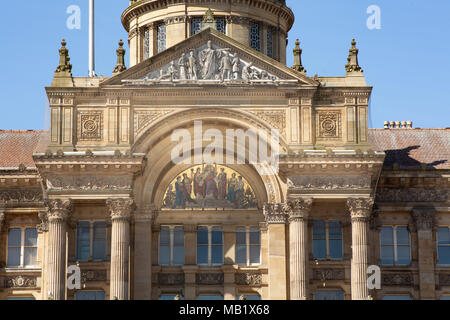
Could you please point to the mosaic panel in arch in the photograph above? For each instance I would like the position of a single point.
(210, 187)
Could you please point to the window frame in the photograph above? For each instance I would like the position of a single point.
(442, 245)
(395, 245)
(253, 24)
(91, 241)
(22, 248)
(210, 246)
(159, 39)
(171, 245)
(248, 245)
(327, 241)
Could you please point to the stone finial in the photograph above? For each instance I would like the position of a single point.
(63, 73)
(208, 20)
(298, 58)
(352, 65)
(120, 67)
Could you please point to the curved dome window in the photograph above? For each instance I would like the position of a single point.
(197, 25)
(209, 187)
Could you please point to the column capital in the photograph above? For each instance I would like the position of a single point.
(360, 208)
(424, 218)
(58, 210)
(300, 208)
(276, 213)
(120, 208)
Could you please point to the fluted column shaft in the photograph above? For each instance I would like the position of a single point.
(360, 210)
(298, 240)
(120, 210)
(58, 213)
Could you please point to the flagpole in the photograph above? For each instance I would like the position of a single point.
(91, 40)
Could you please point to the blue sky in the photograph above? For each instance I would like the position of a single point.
(407, 61)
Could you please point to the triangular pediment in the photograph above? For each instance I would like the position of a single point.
(209, 57)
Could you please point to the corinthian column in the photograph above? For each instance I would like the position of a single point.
(360, 210)
(120, 210)
(59, 210)
(298, 239)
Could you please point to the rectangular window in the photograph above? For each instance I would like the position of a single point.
(395, 246)
(22, 247)
(90, 295)
(209, 245)
(270, 42)
(91, 240)
(397, 297)
(327, 240)
(248, 246)
(161, 39)
(196, 25)
(171, 246)
(443, 243)
(329, 295)
(221, 25)
(255, 36)
(146, 43)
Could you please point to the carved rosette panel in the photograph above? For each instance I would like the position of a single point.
(21, 195)
(300, 208)
(120, 208)
(424, 218)
(59, 209)
(397, 279)
(275, 118)
(328, 274)
(360, 208)
(412, 195)
(93, 275)
(90, 125)
(248, 279)
(209, 278)
(143, 119)
(276, 213)
(21, 282)
(329, 125)
(170, 279)
(88, 183)
(329, 182)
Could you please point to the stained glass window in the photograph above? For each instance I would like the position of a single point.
(196, 25)
(221, 25)
(270, 42)
(255, 38)
(161, 37)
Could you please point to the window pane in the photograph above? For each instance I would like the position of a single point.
(445, 298)
(241, 238)
(335, 230)
(164, 236)
(387, 255)
(202, 254)
(30, 298)
(329, 295)
(90, 295)
(319, 249)
(196, 25)
(217, 235)
(319, 229)
(31, 237)
(255, 237)
(217, 255)
(14, 237)
(209, 297)
(386, 235)
(402, 236)
(13, 257)
(444, 236)
(241, 254)
(178, 255)
(178, 236)
(397, 297)
(255, 255)
(403, 255)
(202, 235)
(336, 249)
(252, 297)
(83, 240)
(99, 245)
(221, 25)
(444, 254)
(169, 297)
(30, 256)
(164, 255)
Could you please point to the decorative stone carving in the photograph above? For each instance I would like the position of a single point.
(325, 274)
(424, 218)
(360, 208)
(397, 279)
(276, 213)
(43, 226)
(248, 279)
(90, 125)
(300, 208)
(20, 282)
(21, 195)
(412, 195)
(169, 279)
(88, 183)
(120, 208)
(329, 124)
(329, 182)
(143, 119)
(209, 278)
(208, 63)
(59, 209)
(276, 118)
(93, 275)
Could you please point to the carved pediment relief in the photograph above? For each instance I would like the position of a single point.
(329, 182)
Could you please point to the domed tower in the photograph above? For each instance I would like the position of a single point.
(154, 25)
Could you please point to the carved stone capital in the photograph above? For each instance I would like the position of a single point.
(300, 208)
(276, 213)
(424, 218)
(145, 214)
(59, 210)
(360, 208)
(120, 208)
(43, 226)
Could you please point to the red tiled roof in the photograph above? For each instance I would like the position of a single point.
(410, 148)
(18, 146)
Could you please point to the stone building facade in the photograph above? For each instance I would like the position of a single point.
(101, 190)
